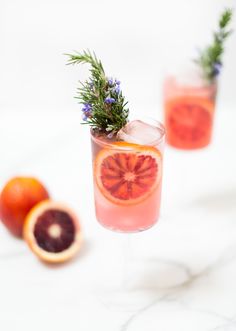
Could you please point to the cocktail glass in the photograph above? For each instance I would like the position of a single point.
(128, 175)
(189, 106)
(127, 189)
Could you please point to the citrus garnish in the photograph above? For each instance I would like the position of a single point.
(128, 175)
(189, 120)
(52, 231)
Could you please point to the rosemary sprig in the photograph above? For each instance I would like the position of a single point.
(104, 106)
(210, 58)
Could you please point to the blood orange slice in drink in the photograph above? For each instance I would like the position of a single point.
(127, 173)
(52, 232)
(189, 121)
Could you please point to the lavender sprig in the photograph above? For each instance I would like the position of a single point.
(210, 58)
(104, 107)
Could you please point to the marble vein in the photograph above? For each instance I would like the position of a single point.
(227, 257)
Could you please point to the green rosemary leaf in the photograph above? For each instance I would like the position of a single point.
(210, 58)
(104, 107)
(225, 18)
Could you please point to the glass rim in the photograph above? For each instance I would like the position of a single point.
(189, 83)
(153, 143)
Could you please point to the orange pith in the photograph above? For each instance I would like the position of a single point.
(127, 173)
(188, 120)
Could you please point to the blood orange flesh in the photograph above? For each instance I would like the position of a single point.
(189, 122)
(52, 231)
(126, 177)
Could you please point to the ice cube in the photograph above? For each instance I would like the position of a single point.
(139, 132)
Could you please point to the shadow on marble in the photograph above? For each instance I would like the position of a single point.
(218, 202)
(156, 273)
(152, 281)
(144, 281)
(84, 251)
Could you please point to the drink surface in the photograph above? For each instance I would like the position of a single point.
(189, 112)
(127, 177)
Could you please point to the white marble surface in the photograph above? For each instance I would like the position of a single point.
(178, 276)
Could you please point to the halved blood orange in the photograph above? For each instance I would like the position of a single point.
(127, 173)
(52, 232)
(189, 121)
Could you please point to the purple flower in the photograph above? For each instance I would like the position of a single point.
(109, 100)
(110, 135)
(110, 82)
(84, 118)
(87, 108)
(217, 68)
(117, 82)
(117, 89)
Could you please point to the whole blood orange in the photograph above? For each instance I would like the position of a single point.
(128, 173)
(52, 231)
(18, 196)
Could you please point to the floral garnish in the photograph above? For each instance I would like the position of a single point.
(103, 105)
(210, 58)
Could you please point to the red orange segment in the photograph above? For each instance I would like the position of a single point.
(52, 231)
(127, 176)
(189, 121)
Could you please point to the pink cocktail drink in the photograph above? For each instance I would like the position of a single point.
(127, 177)
(189, 112)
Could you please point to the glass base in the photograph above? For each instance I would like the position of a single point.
(145, 280)
(116, 229)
